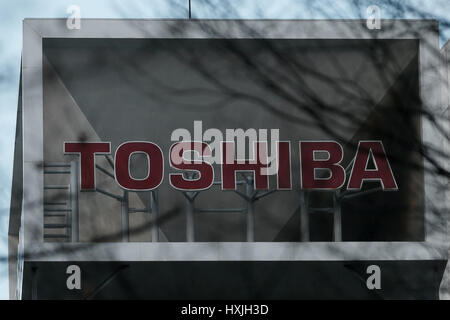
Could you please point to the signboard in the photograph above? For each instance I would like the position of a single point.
(230, 141)
(148, 95)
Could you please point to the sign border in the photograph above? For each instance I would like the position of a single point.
(434, 247)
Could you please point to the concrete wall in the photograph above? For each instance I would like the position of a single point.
(445, 93)
(15, 215)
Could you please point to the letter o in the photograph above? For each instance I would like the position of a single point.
(155, 166)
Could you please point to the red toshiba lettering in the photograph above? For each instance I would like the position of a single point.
(382, 171)
(155, 166)
(204, 169)
(230, 166)
(284, 165)
(87, 152)
(309, 165)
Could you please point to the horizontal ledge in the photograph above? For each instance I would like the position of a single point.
(235, 251)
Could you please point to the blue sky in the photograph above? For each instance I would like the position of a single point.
(13, 12)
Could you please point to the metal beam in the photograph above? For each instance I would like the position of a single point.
(125, 218)
(154, 205)
(190, 220)
(250, 190)
(337, 219)
(304, 216)
(74, 201)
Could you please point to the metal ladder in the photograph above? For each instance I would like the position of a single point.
(68, 210)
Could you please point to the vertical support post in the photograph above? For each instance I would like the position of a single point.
(190, 223)
(304, 217)
(337, 223)
(125, 218)
(250, 212)
(34, 284)
(154, 212)
(190, 9)
(74, 201)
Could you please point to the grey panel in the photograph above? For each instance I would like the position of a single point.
(310, 89)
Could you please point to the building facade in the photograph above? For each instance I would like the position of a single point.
(159, 80)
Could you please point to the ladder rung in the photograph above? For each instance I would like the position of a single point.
(56, 172)
(54, 215)
(55, 203)
(56, 225)
(55, 236)
(52, 187)
(57, 210)
(56, 165)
